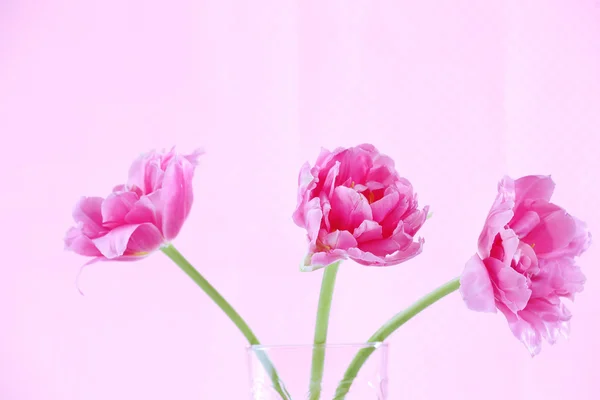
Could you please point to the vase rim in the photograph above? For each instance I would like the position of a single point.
(326, 345)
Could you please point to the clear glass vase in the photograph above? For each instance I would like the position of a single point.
(284, 372)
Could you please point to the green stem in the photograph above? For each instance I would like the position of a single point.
(321, 326)
(387, 329)
(184, 264)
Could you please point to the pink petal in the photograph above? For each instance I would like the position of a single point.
(385, 247)
(476, 286)
(355, 163)
(116, 207)
(375, 243)
(367, 231)
(381, 160)
(88, 213)
(313, 218)
(127, 188)
(145, 172)
(500, 214)
(323, 259)
(525, 223)
(365, 258)
(194, 156)
(381, 208)
(415, 220)
(339, 240)
(553, 233)
(369, 259)
(510, 244)
(580, 242)
(384, 174)
(79, 243)
(542, 207)
(177, 196)
(348, 209)
(392, 219)
(549, 317)
(305, 178)
(147, 209)
(406, 253)
(402, 238)
(368, 148)
(380, 248)
(525, 260)
(330, 180)
(144, 238)
(511, 288)
(325, 209)
(558, 277)
(306, 183)
(325, 156)
(523, 330)
(165, 158)
(533, 187)
(360, 188)
(404, 187)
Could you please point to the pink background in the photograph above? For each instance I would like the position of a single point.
(458, 92)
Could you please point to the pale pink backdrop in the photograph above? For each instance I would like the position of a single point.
(458, 92)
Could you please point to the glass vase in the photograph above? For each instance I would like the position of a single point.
(286, 372)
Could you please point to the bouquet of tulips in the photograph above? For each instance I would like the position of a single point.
(354, 205)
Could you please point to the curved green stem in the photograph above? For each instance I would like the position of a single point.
(233, 315)
(387, 329)
(321, 326)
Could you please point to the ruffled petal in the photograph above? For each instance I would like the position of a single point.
(525, 331)
(476, 286)
(558, 277)
(383, 207)
(323, 259)
(355, 164)
(553, 233)
(499, 216)
(116, 207)
(177, 196)
(510, 287)
(88, 214)
(331, 248)
(129, 240)
(348, 209)
(534, 187)
(79, 243)
(147, 209)
(369, 259)
(368, 231)
(525, 223)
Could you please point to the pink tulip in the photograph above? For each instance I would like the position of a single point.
(140, 216)
(525, 263)
(354, 205)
